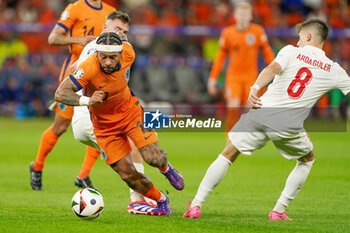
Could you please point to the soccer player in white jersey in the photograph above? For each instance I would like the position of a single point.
(301, 75)
(83, 129)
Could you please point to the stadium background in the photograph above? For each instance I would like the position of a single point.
(175, 43)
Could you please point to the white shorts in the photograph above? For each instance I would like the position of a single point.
(248, 135)
(82, 127)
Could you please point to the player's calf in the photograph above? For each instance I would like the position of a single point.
(153, 155)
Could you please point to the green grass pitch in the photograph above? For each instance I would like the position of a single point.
(240, 203)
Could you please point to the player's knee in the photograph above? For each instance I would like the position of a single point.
(60, 129)
(80, 135)
(308, 158)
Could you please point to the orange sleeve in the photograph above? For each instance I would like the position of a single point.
(265, 47)
(81, 76)
(220, 57)
(68, 18)
(128, 53)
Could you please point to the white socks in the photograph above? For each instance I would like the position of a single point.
(213, 177)
(293, 184)
(135, 196)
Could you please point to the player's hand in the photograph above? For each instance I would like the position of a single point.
(122, 35)
(96, 98)
(86, 39)
(253, 99)
(212, 87)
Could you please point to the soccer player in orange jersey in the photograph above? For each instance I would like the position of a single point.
(79, 24)
(241, 42)
(82, 127)
(117, 114)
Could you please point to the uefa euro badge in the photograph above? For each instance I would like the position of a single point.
(250, 38)
(78, 73)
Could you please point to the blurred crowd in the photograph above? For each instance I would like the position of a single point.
(169, 67)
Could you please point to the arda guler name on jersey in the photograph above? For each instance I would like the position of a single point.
(317, 63)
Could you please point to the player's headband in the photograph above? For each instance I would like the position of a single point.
(109, 48)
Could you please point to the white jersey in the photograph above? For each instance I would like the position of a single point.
(306, 75)
(89, 49)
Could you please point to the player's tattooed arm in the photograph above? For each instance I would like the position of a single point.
(153, 155)
(65, 93)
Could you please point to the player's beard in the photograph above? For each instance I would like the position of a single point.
(110, 69)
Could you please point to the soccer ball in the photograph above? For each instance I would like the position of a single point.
(87, 203)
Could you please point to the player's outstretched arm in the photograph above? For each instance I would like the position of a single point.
(58, 37)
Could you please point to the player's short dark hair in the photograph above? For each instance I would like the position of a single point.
(320, 26)
(109, 38)
(119, 15)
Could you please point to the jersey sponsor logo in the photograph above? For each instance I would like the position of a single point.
(250, 39)
(65, 15)
(127, 74)
(86, 19)
(78, 73)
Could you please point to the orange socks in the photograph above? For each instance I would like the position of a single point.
(163, 169)
(91, 156)
(48, 141)
(153, 193)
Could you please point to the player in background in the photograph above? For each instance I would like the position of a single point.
(241, 42)
(79, 24)
(301, 75)
(117, 114)
(83, 129)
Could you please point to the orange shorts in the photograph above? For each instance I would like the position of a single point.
(115, 147)
(63, 110)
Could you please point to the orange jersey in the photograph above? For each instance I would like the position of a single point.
(119, 103)
(243, 50)
(80, 19)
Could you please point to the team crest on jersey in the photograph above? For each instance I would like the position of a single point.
(78, 73)
(250, 38)
(65, 15)
(127, 74)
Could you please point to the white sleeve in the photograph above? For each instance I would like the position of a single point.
(343, 81)
(284, 56)
(87, 51)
